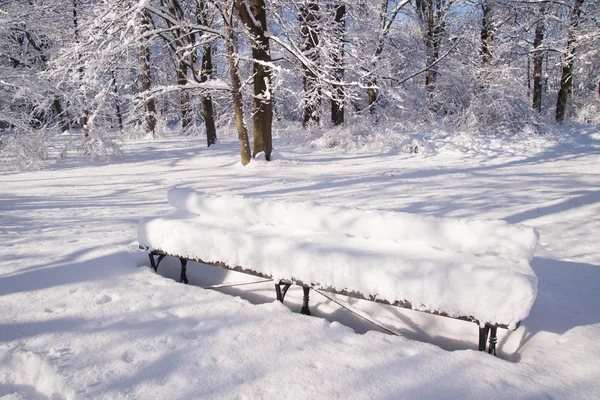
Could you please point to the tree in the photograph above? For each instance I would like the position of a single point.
(566, 79)
(487, 32)
(384, 29)
(309, 30)
(236, 85)
(203, 15)
(253, 15)
(432, 15)
(538, 58)
(338, 98)
(148, 98)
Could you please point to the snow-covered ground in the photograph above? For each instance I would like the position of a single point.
(82, 315)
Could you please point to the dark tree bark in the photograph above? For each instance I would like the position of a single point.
(339, 97)
(182, 67)
(566, 80)
(85, 113)
(236, 90)
(432, 14)
(206, 99)
(117, 101)
(538, 58)
(487, 32)
(62, 120)
(184, 96)
(309, 30)
(253, 14)
(205, 74)
(373, 92)
(149, 104)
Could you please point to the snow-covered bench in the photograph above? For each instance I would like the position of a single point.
(466, 269)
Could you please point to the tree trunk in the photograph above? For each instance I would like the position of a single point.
(117, 101)
(62, 121)
(373, 92)
(206, 99)
(339, 98)
(85, 112)
(566, 80)
(538, 58)
(253, 15)
(487, 32)
(184, 96)
(205, 74)
(149, 104)
(431, 14)
(236, 94)
(309, 26)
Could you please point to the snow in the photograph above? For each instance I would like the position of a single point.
(82, 315)
(470, 268)
(513, 242)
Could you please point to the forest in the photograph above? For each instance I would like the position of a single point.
(104, 70)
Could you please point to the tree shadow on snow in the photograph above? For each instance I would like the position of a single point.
(567, 298)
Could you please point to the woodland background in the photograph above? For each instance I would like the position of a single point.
(103, 70)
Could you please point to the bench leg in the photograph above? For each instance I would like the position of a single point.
(483, 335)
(281, 292)
(493, 340)
(492, 331)
(154, 264)
(183, 277)
(305, 310)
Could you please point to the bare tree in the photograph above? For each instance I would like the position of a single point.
(148, 99)
(254, 16)
(566, 80)
(85, 113)
(432, 16)
(204, 18)
(384, 29)
(538, 58)
(487, 32)
(309, 30)
(235, 85)
(338, 98)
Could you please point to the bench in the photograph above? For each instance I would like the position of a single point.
(471, 270)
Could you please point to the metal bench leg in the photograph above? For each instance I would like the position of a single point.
(154, 264)
(305, 310)
(493, 340)
(281, 292)
(483, 335)
(183, 277)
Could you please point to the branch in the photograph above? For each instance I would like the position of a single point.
(398, 81)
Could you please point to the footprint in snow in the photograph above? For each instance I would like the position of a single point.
(105, 299)
(128, 357)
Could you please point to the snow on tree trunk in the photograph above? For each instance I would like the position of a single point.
(85, 112)
(338, 94)
(149, 104)
(538, 58)
(309, 25)
(235, 91)
(566, 80)
(253, 14)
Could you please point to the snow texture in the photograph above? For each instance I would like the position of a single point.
(82, 316)
(476, 269)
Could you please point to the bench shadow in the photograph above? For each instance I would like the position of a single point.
(205, 275)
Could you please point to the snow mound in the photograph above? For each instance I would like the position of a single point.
(513, 242)
(29, 374)
(477, 269)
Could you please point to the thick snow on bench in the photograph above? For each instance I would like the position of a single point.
(477, 269)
